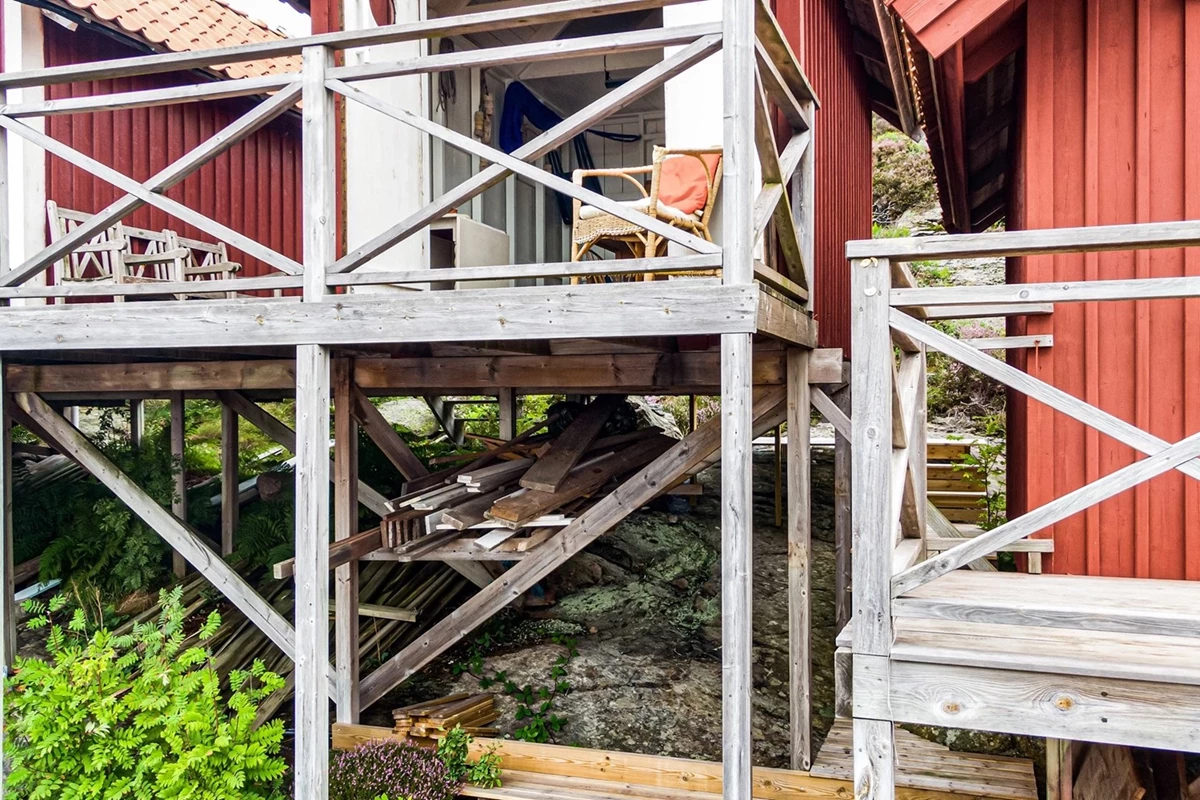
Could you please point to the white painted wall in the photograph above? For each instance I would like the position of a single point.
(26, 163)
(694, 101)
(387, 176)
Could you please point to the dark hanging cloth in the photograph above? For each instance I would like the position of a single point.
(520, 104)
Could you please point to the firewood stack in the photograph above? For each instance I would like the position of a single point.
(433, 718)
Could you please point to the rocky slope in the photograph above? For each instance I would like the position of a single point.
(643, 603)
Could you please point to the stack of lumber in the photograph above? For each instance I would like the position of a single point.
(958, 492)
(472, 711)
(518, 494)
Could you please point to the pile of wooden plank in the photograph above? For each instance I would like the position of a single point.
(473, 712)
(516, 496)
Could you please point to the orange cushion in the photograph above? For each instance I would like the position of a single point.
(682, 183)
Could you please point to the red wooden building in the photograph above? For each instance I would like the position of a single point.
(1056, 113)
(253, 188)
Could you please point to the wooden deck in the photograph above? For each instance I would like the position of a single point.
(1044, 655)
(925, 765)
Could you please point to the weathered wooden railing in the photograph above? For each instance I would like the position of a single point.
(771, 75)
(891, 337)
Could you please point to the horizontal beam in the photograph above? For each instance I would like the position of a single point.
(1144, 235)
(687, 372)
(220, 286)
(526, 170)
(481, 21)
(531, 52)
(145, 98)
(576, 123)
(984, 312)
(1075, 292)
(1028, 703)
(1012, 342)
(662, 308)
(553, 269)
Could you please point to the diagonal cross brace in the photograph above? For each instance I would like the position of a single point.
(175, 531)
(540, 145)
(525, 169)
(689, 454)
(1071, 503)
(1124, 432)
(151, 191)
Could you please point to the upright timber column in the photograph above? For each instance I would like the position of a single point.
(178, 445)
(737, 509)
(799, 556)
(345, 525)
(871, 398)
(312, 442)
(8, 616)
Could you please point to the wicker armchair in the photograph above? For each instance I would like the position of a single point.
(592, 227)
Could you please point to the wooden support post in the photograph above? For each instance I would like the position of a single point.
(843, 518)
(229, 478)
(737, 527)
(312, 437)
(8, 610)
(799, 557)
(179, 498)
(137, 423)
(312, 570)
(778, 477)
(345, 525)
(507, 400)
(737, 446)
(874, 745)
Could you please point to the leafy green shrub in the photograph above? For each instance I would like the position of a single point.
(392, 769)
(136, 716)
(453, 750)
(94, 539)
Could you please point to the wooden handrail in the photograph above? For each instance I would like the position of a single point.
(1139, 236)
(486, 20)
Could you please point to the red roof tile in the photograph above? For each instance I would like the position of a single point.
(188, 25)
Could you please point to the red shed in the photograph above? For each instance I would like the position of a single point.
(253, 188)
(1053, 113)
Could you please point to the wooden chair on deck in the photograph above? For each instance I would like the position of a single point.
(683, 192)
(205, 261)
(110, 256)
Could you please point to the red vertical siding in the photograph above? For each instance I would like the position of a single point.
(250, 188)
(1105, 141)
(820, 33)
